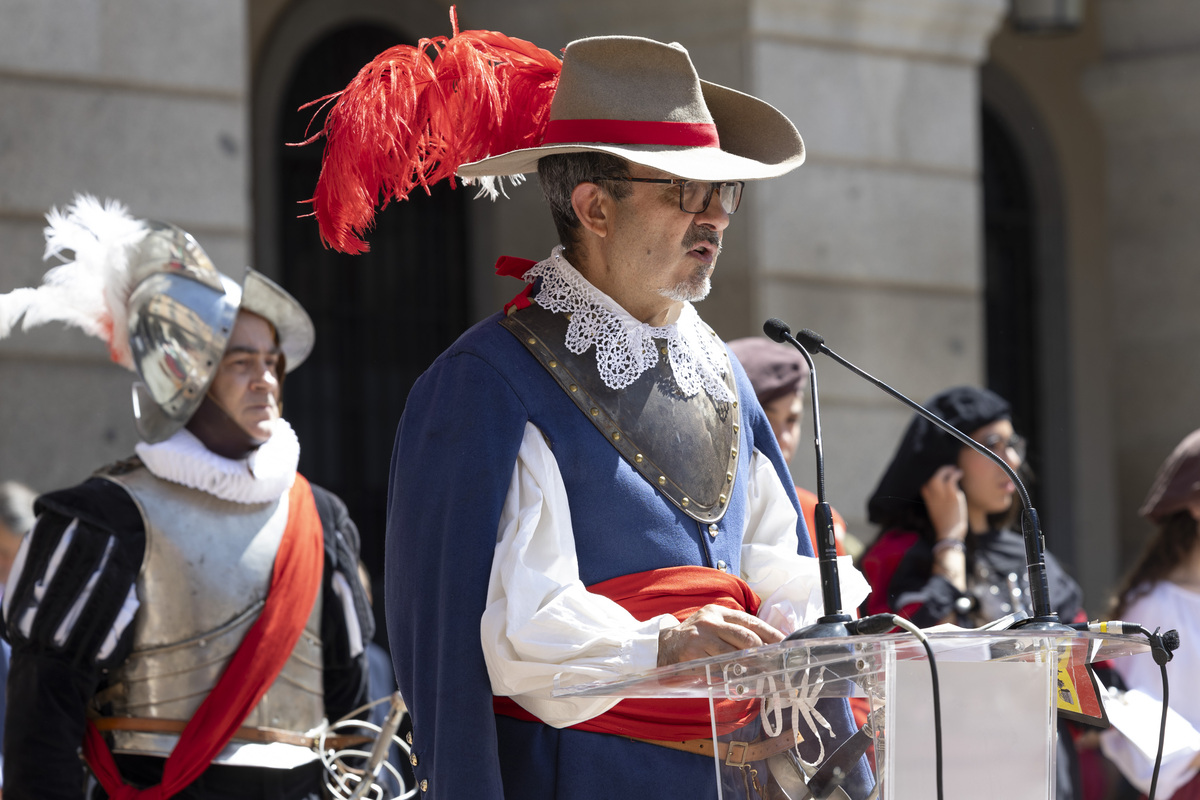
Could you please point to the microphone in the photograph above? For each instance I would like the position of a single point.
(1044, 618)
(835, 622)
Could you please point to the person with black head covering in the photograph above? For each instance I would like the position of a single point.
(946, 551)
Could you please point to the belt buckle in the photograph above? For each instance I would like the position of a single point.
(737, 754)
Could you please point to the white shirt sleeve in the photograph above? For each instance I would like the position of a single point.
(1132, 741)
(541, 622)
(789, 584)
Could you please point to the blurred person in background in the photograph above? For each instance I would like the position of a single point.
(1163, 590)
(16, 520)
(947, 550)
(190, 616)
(779, 376)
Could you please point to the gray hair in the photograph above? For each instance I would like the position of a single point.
(559, 174)
(16, 507)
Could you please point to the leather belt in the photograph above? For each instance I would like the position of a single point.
(733, 753)
(246, 734)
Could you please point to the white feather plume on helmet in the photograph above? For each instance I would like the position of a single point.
(91, 290)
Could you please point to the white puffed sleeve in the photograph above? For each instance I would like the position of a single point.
(540, 620)
(788, 584)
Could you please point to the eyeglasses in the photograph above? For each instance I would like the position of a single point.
(1000, 445)
(694, 196)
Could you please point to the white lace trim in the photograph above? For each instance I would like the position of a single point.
(625, 347)
(262, 476)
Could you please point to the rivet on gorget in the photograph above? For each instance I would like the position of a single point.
(617, 435)
(638, 458)
(662, 350)
(685, 502)
(722, 499)
(574, 388)
(568, 316)
(553, 365)
(735, 427)
(733, 452)
(729, 477)
(713, 530)
(735, 406)
(662, 480)
(595, 412)
(531, 340)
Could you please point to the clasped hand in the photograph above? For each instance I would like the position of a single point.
(713, 631)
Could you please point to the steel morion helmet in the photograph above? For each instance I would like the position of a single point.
(181, 314)
(149, 291)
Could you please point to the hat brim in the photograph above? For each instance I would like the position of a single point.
(757, 142)
(293, 325)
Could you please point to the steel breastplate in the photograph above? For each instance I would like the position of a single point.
(204, 580)
(685, 446)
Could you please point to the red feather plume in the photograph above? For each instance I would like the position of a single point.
(414, 114)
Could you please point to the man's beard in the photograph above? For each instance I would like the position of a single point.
(696, 286)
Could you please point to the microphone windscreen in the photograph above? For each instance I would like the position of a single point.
(776, 329)
(811, 340)
(1171, 640)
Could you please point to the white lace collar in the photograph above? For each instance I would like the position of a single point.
(262, 476)
(625, 347)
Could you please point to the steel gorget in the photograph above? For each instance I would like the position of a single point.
(685, 446)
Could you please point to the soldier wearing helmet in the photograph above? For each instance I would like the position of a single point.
(190, 617)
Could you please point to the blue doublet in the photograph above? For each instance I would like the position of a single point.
(452, 464)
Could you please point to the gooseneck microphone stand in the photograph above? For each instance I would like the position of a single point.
(835, 622)
(1044, 617)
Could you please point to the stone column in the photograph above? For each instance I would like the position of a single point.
(1145, 92)
(140, 100)
(876, 241)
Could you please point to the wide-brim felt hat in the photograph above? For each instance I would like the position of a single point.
(642, 100)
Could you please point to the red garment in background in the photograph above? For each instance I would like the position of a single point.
(808, 504)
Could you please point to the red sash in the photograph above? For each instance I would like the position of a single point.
(680, 591)
(295, 581)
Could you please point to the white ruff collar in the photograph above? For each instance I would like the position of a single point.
(260, 477)
(625, 347)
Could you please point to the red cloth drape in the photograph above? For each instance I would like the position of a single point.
(680, 591)
(295, 581)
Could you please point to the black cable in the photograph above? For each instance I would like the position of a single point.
(1162, 649)
(1162, 732)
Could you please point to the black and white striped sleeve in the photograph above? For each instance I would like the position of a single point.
(71, 589)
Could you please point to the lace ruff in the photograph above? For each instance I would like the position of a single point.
(625, 347)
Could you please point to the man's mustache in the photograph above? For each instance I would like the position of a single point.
(697, 234)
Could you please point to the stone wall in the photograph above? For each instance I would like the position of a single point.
(140, 100)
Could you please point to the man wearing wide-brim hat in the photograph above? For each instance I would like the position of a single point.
(584, 486)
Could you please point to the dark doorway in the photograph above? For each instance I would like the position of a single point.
(1011, 302)
(381, 317)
